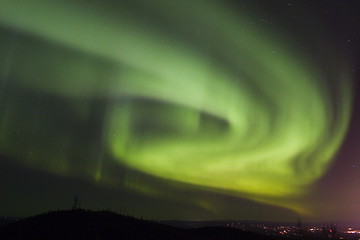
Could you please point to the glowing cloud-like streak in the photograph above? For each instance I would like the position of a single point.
(195, 93)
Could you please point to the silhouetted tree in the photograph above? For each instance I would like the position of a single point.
(76, 203)
(300, 229)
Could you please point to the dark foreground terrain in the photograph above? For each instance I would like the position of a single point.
(83, 224)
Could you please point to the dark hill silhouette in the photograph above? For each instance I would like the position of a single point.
(84, 224)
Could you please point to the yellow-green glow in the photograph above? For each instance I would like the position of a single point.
(220, 108)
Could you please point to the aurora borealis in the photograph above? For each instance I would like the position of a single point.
(173, 102)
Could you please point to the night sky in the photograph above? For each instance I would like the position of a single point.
(187, 110)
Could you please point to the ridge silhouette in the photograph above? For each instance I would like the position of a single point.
(85, 224)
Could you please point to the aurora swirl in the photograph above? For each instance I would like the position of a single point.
(191, 92)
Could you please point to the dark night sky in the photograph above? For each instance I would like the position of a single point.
(189, 110)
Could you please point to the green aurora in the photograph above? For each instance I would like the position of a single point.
(186, 91)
